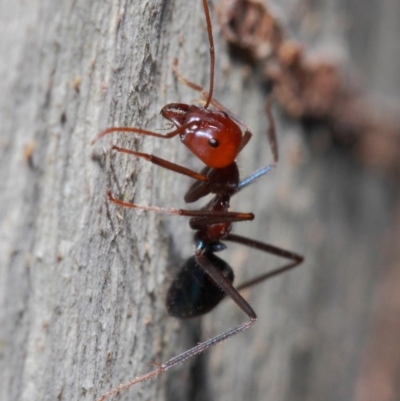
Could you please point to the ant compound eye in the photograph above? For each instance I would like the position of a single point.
(213, 143)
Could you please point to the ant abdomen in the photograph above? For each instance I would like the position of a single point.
(193, 292)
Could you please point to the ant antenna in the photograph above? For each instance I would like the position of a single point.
(212, 52)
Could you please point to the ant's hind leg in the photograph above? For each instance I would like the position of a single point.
(296, 259)
(227, 287)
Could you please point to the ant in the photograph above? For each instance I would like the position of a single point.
(215, 136)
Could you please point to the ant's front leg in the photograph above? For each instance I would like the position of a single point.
(177, 168)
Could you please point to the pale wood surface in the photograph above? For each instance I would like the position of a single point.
(82, 283)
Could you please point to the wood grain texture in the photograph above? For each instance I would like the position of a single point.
(82, 282)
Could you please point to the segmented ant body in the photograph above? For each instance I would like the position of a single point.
(215, 136)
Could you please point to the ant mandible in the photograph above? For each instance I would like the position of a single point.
(215, 137)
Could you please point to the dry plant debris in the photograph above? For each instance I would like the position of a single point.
(311, 91)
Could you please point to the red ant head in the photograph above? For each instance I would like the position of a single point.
(214, 137)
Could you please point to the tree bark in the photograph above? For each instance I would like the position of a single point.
(83, 282)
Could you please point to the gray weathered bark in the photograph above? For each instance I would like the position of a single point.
(83, 282)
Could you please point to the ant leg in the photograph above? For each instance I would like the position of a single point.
(257, 174)
(163, 163)
(190, 84)
(246, 138)
(227, 287)
(296, 259)
(273, 144)
(211, 217)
